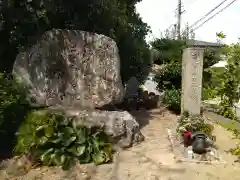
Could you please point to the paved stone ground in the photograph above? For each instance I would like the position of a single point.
(150, 160)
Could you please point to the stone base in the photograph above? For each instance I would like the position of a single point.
(182, 153)
(121, 126)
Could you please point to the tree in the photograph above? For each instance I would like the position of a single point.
(170, 50)
(169, 77)
(229, 90)
(23, 21)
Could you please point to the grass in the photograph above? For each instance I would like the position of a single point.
(231, 125)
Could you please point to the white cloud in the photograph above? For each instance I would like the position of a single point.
(160, 15)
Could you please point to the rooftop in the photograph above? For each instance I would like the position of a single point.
(198, 43)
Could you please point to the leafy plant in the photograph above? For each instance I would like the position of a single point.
(169, 50)
(209, 93)
(52, 140)
(172, 98)
(229, 90)
(11, 96)
(226, 111)
(169, 77)
(212, 81)
(13, 108)
(193, 124)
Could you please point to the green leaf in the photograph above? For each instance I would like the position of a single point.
(67, 163)
(48, 131)
(90, 148)
(63, 159)
(103, 140)
(85, 158)
(43, 140)
(99, 158)
(45, 157)
(68, 131)
(57, 158)
(77, 150)
(56, 141)
(64, 121)
(41, 128)
(67, 141)
(95, 143)
(52, 159)
(81, 138)
(108, 150)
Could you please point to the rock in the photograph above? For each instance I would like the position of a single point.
(132, 87)
(71, 68)
(153, 101)
(145, 96)
(16, 166)
(120, 125)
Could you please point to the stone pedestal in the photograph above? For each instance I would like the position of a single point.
(192, 68)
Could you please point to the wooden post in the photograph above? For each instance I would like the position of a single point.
(192, 67)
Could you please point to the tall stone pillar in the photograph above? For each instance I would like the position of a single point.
(192, 69)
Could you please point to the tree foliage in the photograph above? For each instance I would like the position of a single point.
(169, 77)
(23, 21)
(169, 50)
(172, 98)
(170, 57)
(229, 90)
(13, 109)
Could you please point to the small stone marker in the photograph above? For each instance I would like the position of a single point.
(132, 87)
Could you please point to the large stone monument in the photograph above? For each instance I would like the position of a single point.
(192, 67)
(78, 72)
(71, 68)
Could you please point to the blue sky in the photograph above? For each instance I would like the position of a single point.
(159, 14)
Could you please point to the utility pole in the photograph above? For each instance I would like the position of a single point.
(187, 31)
(179, 19)
(175, 30)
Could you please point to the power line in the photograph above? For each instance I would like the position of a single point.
(208, 13)
(214, 15)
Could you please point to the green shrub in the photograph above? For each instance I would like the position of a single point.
(169, 81)
(169, 50)
(227, 112)
(226, 109)
(172, 98)
(11, 97)
(52, 140)
(193, 124)
(13, 108)
(209, 93)
(169, 77)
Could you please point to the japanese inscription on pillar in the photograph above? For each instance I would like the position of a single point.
(192, 80)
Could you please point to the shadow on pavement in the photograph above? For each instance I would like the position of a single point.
(143, 117)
